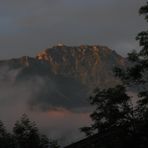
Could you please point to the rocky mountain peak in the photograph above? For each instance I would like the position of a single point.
(63, 76)
(89, 63)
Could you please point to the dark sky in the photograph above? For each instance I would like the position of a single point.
(28, 26)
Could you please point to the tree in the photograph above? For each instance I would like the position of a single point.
(140, 70)
(137, 74)
(115, 118)
(27, 135)
(6, 139)
(3, 134)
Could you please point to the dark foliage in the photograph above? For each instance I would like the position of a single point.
(6, 139)
(117, 122)
(113, 118)
(25, 135)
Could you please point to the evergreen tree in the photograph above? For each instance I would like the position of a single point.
(27, 135)
(6, 139)
(3, 134)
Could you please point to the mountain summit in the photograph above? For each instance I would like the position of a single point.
(92, 65)
(62, 76)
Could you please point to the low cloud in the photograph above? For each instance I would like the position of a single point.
(54, 117)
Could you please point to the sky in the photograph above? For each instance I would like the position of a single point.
(29, 26)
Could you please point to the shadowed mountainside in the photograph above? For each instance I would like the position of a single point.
(64, 76)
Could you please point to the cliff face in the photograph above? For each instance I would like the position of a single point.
(92, 65)
(62, 76)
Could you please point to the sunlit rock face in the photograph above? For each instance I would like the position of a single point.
(61, 76)
(92, 65)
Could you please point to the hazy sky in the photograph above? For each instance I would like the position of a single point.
(28, 26)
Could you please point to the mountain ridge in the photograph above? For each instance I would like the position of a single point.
(63, 76)
(80, 60)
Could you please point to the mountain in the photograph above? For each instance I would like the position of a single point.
(92, 65)
(63, 76)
